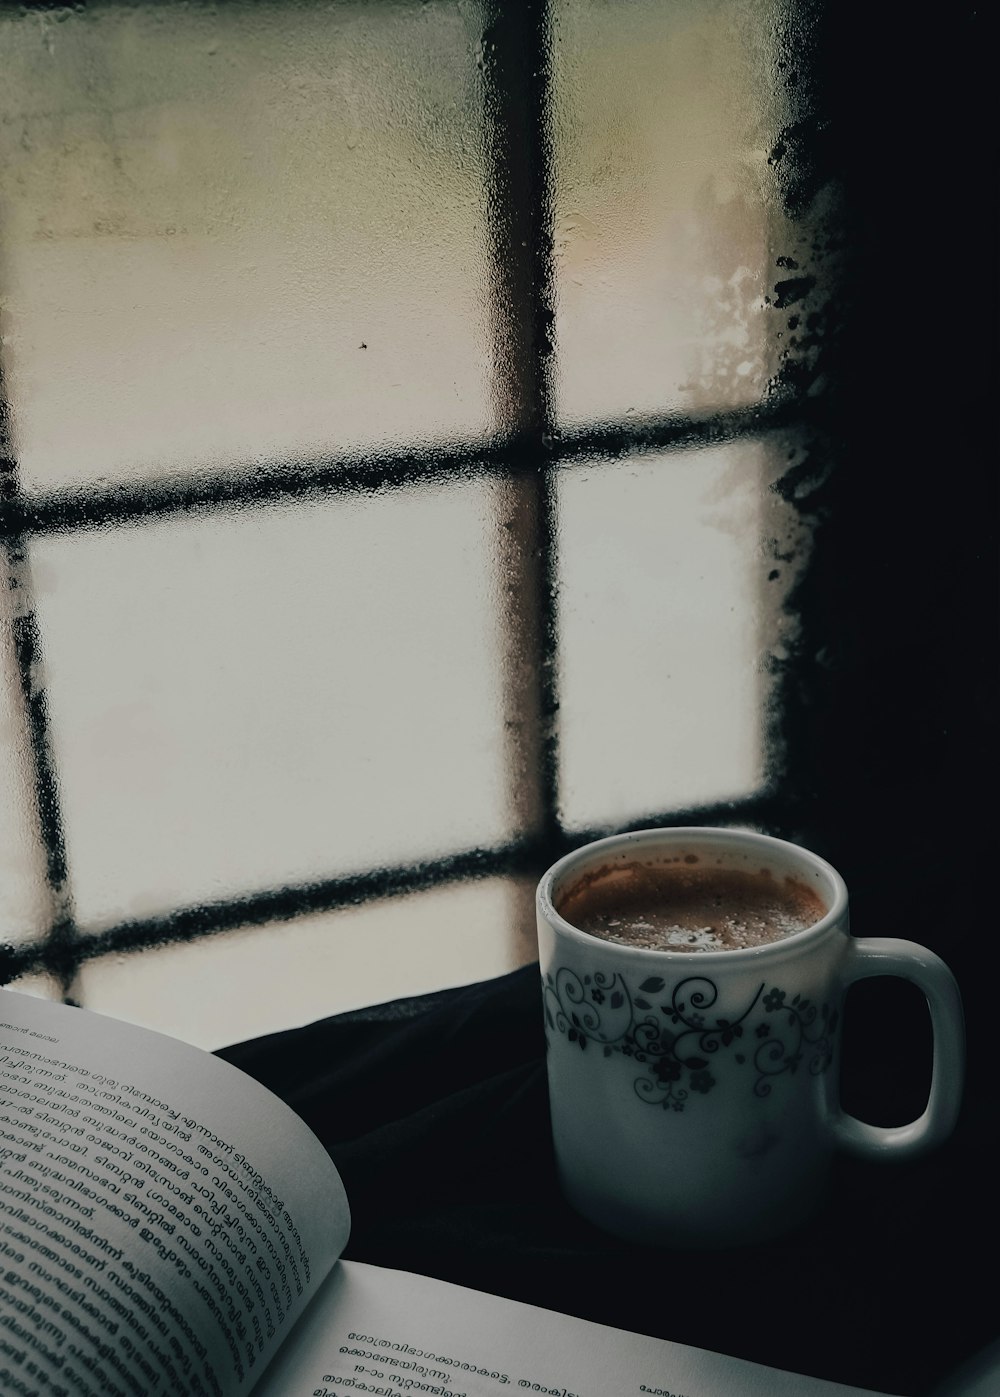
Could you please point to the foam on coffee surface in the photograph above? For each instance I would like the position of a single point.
(686, 904)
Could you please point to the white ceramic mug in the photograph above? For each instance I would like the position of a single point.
(694, 1095)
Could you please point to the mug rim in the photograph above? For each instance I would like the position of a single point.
(708, 834)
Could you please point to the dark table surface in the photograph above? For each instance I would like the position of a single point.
(435, 1111)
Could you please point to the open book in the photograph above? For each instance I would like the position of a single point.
(167, 1225)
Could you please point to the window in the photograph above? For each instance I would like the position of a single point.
(413, 416)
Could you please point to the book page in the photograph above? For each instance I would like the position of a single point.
(164, 1219)
(384, 1332)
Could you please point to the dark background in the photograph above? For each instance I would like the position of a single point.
(904, 728)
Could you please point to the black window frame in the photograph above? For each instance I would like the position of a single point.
(525, 452)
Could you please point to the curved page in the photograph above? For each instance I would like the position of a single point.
(164, 1219)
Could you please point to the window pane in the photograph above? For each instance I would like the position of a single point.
(233, 232)
(41, 986)
(264, 979)
(664, 203)
(668, 613)
(274, 695)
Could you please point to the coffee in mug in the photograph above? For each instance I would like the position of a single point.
(693, 983)
(688, 903)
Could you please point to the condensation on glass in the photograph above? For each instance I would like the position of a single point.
(674, 572)
(272, 695)
(234, 237)
(666, 222)
(321, 964)
(236, 233)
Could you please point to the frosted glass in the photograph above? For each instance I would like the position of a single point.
(664, 203)
(671, 613)
(265, 979)
(24, 903)
(238, 232)
(41, 986)
(273, 695)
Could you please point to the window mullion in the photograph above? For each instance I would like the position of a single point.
(59, 954)
(516, 76)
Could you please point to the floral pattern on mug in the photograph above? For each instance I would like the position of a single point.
(676, 1037)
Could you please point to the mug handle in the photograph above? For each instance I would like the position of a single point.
(872, 956)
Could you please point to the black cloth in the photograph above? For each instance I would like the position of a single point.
(435, 1111)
